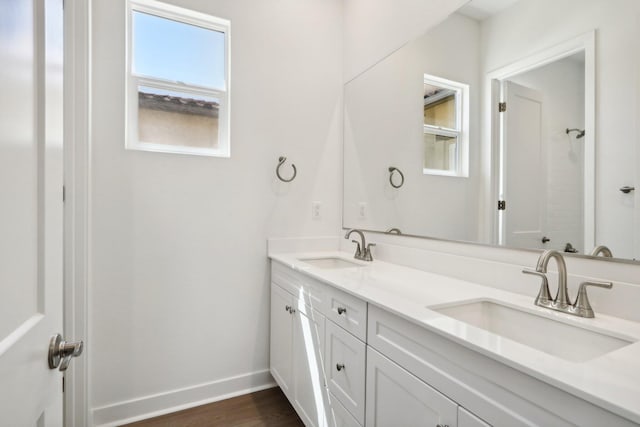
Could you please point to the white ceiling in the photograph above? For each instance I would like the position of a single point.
(482, 9)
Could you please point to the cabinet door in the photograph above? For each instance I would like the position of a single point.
(339, 416)
(345, 369)
(467, 419)
(395, 398)
(281, 337)
(309, 392)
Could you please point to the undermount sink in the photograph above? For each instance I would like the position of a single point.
(330, 263)
(569, 342)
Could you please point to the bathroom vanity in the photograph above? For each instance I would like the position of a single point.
(377, 344)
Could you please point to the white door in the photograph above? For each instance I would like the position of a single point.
(282, 338)
(310, 395)
(396, 398)
(524, 178)
(30, 210)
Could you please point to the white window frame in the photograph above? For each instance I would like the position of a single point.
(189, 17)
(461, 132)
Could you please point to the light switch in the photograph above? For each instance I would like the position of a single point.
(362, 210)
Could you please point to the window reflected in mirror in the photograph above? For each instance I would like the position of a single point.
(440, 152)
(443, 130)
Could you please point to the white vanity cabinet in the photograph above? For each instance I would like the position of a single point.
(397, 398)
(492, 391)
(281, 338)
(297, 345)
(318, 349)
(309, 393)
(344, 363)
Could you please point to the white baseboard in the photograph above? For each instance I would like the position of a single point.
(184, 398)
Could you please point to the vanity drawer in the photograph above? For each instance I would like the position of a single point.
(301, 286)
(340, 417)
(347, 311)
(345, 358)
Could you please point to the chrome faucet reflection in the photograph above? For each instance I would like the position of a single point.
(601, 250)
(363, 251)
(581, 307)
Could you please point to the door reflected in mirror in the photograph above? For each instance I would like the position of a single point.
(508, 146)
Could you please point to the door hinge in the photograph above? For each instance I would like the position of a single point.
(64, 193)
(63, 383)
(502, 205)
(502, 107)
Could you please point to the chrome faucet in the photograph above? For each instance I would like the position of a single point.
(363, 252)
(602, 249)
(581, 307)
(562, 296)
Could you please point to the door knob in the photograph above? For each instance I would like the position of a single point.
(626, 189)
(61, 352)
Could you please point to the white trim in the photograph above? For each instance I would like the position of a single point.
(77, 181)
(187, 16)
(584, 43)
(132, 80)
(175, 400)
(636, 127)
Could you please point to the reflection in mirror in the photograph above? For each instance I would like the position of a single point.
(446, 107)
(540, 104)
(492, 117)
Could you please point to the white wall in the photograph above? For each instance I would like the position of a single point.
(384, 127)
(374, 29)
(179, 276)
(561, 85)
(534, 25)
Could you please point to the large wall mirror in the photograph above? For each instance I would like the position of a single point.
(513, 122)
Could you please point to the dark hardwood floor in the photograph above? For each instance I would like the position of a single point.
(267, 408)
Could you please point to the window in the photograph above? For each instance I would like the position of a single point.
(178, 80)
(446, 111)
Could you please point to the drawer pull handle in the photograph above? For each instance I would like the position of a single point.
(340, 366)
(287, 308)
(442, 425)
(341, 310)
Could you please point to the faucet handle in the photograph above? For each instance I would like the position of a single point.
(544, 296)
(582, 307)
(367, 252)
(358, 249)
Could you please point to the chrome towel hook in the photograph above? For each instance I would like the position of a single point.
(393, 169)
(281, 161)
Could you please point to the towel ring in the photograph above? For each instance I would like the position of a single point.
(393, 169)
(281, 161)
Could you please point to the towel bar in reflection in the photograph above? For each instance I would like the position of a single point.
(393, 169)
(281, 161)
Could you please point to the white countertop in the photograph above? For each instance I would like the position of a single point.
(611, 381)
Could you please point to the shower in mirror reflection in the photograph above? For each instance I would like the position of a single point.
(539, 101)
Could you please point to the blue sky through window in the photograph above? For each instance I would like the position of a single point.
(176, 51)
